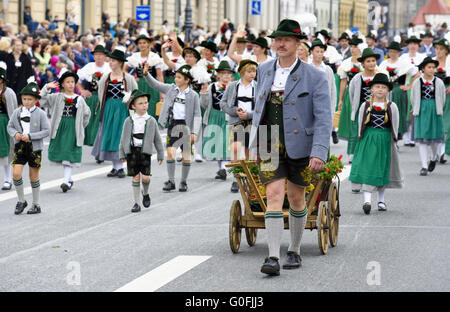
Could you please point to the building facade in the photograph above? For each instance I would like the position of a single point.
(353, 13)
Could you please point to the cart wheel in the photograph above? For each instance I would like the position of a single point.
(235, 226)
(323, 227)
(333, 218)
(250, 234)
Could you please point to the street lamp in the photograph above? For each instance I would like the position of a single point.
(188, 21)
(330, 22)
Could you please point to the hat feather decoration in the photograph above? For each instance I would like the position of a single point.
(3, 65)
(126, 97)
(200, 74)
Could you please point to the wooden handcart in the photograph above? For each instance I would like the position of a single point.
(322, 202)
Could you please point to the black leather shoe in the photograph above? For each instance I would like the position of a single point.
(168, 186)
(112, 173)
(99, 161)
(221, 175)
(412, 145)
(146, 200)
(335, 137)
(424, 172)
(65, 187)
(367, 208)
(442, 160)
(234, 187)
(431, 166)
(293, 261)
(121, 173)
(271, 266)
(356, 191)
(382, 206)
(183, 187)
(34, 209)
(20, 207)
(136, 208)
(70, 185)
(7, 186)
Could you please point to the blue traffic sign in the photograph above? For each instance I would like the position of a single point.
(143, 13)
(256, 7)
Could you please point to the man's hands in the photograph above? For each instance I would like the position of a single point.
(21, 137)
(316, 164)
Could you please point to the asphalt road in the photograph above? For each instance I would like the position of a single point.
(88, 240)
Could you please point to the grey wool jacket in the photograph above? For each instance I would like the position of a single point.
(416, 97)
(193, 114)
(11, 101)
(227, 104)
(56, 104)
(39, 127)
(151, 138)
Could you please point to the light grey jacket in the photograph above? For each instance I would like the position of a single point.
(151, 137)
(193, 114)
(56, 104)
(395, 174)
(416, 96)
(11, 101)
(39, 127)
(306, 110)
(228, 101)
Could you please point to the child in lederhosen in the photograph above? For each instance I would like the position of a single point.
(70, 115)
(140, 132)
(376, 162)
(28, 126)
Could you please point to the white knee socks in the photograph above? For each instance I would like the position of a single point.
(8, 173)
(367, 197)
(435, 147)
(117, 164)
(423, 151)
(381, 195)
(67, 174)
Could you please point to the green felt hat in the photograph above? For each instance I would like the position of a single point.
(245, 62)
(224, 65)
(209, 45)
(118, 55)
(66, 75)
(371, 36)
(324, 33)
(344, 36)
(3, 75)
(196, 53)
(381, 78)
(442, 42)
(242, 40)
(143, 37)
(99, 49)
(426, 61)
(317, 43)
(427, 34)
(368, 52)
(186, 71)
(31, 89)
(355, 41)
(394, 45)
(137, 94)
(413, 39)
(288, 27)
(262, 42)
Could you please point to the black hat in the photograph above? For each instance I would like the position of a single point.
(394, 45)
(262, 42)
(143, 37)
(288, 27)
(381, 78)
(355, 41)
(413, 39)
(426, 61)
(427, 34)
(251, 37)
(444, 25)
(245, 62)
(99, 49)
(196, 53)
(371, 36)
(186, 71)
(344, 36)
(368, 52)
(137, 94)
(317, 43)
(118, 55)
(443, 42)
(3, 75)
(224, 65)
(31, 89)
(224, 40)
(324, 33)
(67, 74)
(209, 45)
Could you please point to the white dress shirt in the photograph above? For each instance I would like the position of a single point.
(139, 127)
(25, 112)
(179, 107)
(247, 91)
(281, 76)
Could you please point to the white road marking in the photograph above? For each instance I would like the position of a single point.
(163, 274)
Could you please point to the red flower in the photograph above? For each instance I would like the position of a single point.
(98, 74)
(328, 169)
(70, 101)
(390, 69)
(175, 60)
(210, 67)
(115, 81)
(143, 63)
(427, 83)
(224, 85)
(340, 157)
(38, 92)
(354, 70)
(367, 81)
(297, 31)
(440, 69)
(377, 108)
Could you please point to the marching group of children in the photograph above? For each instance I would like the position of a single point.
(405, 96)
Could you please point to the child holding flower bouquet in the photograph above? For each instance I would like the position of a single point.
(376, 162)
(70, 115)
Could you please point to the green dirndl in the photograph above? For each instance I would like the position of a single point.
(399, 97)
(4, 136)
(353, 137)
(446, 120)
(345, 118)
(63, 148)
(372, 160)
(428, 126)
(90, 132)
(114, 116)
(337, 81)
(144, 87)
(215, 141)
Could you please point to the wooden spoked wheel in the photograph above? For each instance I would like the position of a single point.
(235, 226)
(250, 234)
(333, 214)
(323, 227)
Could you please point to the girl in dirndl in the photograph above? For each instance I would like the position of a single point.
(8, 103)
(427, 99)
(215, 142)
(376, 163)
(70, 115)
